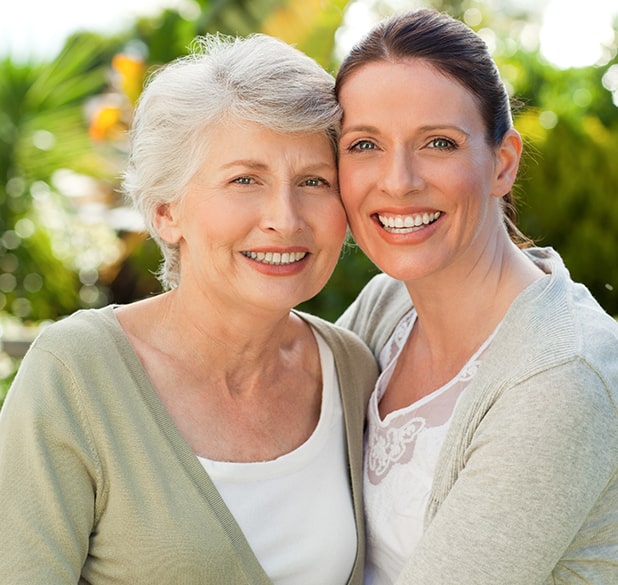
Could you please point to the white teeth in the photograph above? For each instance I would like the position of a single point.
(276, 257)
(404, 224)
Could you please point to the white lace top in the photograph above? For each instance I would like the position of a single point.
(401, 452)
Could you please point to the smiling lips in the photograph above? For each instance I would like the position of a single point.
(404, 224)
(277, 258)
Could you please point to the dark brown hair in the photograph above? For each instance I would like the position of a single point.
(455, 50)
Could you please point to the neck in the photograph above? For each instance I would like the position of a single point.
(243, 349)
(460, 307)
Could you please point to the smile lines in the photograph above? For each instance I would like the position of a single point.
(275, 257)
(404, 224)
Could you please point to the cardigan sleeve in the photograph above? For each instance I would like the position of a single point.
(47, 476)
(377, 310)
(538, 485)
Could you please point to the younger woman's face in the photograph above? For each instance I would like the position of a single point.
(419, 181)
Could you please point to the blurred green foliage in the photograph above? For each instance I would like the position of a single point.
(55, 257)
(569, 177)
(40, 106)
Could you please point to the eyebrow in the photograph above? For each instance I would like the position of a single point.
(319, 166)
(260, 166)
(428, 128)
(359, 128)
(436, 127)
(250, 163)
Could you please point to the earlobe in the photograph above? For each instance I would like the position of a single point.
(166, 224)
(508, 156)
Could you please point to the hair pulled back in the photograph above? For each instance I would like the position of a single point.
(453, 49)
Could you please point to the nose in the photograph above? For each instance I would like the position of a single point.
(283, 210)
(400, 174)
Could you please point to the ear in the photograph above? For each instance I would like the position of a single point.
(166, 223)
(508, 155)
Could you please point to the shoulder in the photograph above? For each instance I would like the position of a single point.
(357, 369)
(81, 367)
(557, 319)
(62, 372)
(382, 288)
(341, 341)
(81, 323)
(86, 337)
(376, 311)
(352, 356)
(555, 340)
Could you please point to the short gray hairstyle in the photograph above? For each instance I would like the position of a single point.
(256, 79)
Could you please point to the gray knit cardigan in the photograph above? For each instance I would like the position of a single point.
(526, 486)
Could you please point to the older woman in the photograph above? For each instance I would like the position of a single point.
(492, 441)
(208, 434)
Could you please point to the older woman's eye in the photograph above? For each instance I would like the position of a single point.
(442, 144)
(243, 180)
(315, 182)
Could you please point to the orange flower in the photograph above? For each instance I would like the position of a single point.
(105, 123)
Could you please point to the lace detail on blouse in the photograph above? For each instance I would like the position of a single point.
(401, 453)
(389, 447)
(394, 440)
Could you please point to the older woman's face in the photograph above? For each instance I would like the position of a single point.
(262, 222)
(420, 184)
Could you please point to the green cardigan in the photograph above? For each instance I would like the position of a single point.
(98, 486)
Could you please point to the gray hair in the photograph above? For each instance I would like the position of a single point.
(256, 79)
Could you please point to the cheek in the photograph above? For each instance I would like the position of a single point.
(467, 184)
(350, 184)
(352, 198)
(226, 213)
(328, 218)
(337, 221)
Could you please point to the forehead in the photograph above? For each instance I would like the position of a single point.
(412, 83)
(235, 141)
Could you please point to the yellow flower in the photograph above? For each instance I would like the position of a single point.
(131, 71)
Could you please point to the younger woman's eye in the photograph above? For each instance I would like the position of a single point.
(362, 145)
(442, 143)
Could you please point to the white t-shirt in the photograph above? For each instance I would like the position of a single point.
(401, 453)
(296, 511)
